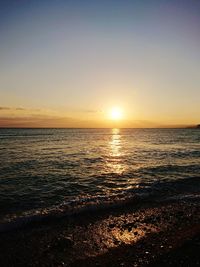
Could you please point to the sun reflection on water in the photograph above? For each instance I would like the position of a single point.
(115, 156)
(115, 143)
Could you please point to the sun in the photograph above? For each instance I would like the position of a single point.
(116, 113)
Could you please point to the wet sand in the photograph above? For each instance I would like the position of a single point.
(147, 233)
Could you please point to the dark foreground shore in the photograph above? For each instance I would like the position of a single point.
(146, 233)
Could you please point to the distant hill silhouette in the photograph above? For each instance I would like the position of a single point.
(194, 126)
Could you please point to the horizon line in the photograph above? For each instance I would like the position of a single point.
(162, 127)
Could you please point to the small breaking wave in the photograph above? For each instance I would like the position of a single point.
(185, 189)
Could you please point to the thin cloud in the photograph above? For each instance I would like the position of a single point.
(5, 108)
(91, 111)
(20, 109)
(39, 121)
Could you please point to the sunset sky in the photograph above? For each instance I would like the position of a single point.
(69, 63)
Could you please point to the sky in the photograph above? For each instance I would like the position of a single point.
(68, 63)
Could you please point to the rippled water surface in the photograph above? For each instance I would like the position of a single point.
(44, 167)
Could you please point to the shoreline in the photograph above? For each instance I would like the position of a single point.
(137, 234)
(159, 192)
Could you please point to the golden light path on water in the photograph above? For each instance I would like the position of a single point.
(116, 164)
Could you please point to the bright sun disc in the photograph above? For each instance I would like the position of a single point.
(116, 114)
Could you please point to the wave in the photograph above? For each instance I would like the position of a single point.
(183, 189)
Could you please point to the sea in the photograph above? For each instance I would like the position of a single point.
(52, 172)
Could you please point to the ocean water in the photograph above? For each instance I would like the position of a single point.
(41, 169)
